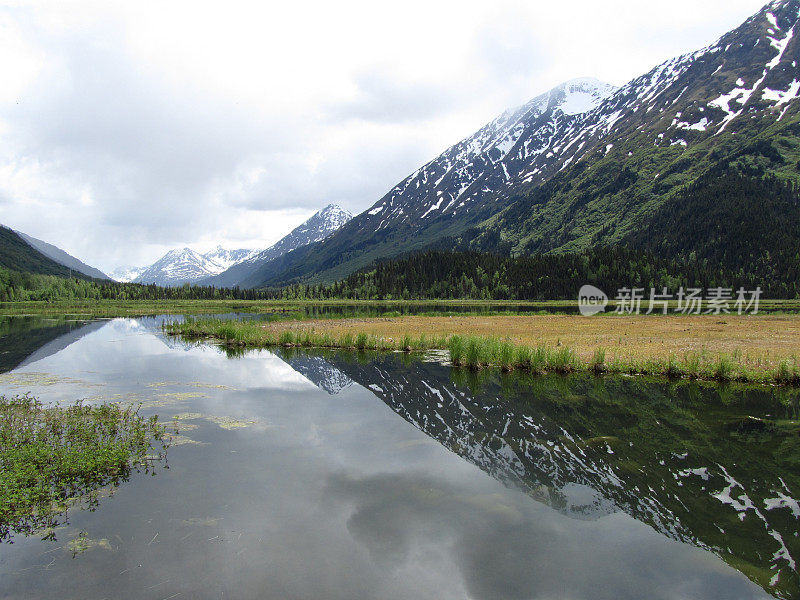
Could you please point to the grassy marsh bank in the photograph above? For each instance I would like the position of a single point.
(128, 308)
(757, 349)
(54, 457)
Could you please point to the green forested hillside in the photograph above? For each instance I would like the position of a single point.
(17, 255)
(611, 197)
(445, 274)
(749, 226)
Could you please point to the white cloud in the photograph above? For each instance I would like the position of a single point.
(131, 128)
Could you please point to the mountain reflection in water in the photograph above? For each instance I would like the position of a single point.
(702, 464)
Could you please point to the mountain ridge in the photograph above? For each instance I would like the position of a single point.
(16, 254)
(60, 256)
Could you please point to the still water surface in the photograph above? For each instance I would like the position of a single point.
(336, 475)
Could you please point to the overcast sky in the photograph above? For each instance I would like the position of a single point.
(132, 128)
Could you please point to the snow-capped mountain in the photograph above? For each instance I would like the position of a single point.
(487, 162)
(227, 258)
(319, 227)
(749, 71)
(184, 265)
(714, 100)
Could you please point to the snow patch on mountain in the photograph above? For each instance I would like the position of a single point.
(583, 95)
(320, 226)
(490, 160)
(126, 274)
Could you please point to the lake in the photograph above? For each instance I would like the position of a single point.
(346, 475)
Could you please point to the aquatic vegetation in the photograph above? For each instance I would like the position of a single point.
(225, 422)
(83, 543)
(506, 356)
(477, 352)
(788, 372)
(563, 360)
(160, 384)
(723, 370)
(26, 380)
(179, 396)
(182, 440)
(455, 346)
(599, 361)
(51, 456)
(406, 343)
(362, 341)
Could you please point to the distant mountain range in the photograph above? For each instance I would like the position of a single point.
(183, 265)
(228, 268)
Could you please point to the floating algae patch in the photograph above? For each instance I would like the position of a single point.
(210, 386)
(188, 416)
(201, 522)
(175, 437)
(83, 543)
(169, 400)
(160, 384)
(193, 384)
(232, 423)
(182, 440)
(36, 379)
(224, 422)
(174, 428)
(181, 396)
